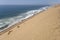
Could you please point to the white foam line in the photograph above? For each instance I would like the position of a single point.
(34, 12)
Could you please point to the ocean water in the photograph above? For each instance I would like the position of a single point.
(11, 14)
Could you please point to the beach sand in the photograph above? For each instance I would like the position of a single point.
(43, 26)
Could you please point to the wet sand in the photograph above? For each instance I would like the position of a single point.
(43, 26)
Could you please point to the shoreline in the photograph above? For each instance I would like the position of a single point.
(42, 26)
(22, 21)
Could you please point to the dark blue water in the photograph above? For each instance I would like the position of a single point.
(7, 11)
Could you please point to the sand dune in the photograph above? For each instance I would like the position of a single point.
(43, 26)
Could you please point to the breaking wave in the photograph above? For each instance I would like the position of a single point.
(8, 22)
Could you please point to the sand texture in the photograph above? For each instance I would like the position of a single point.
(43, 26)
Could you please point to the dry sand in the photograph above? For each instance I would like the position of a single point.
(43, 26)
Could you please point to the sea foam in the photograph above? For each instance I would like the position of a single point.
(11, 21)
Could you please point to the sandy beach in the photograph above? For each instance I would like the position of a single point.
(43, 26)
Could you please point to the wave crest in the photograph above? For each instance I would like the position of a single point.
(19, 18)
